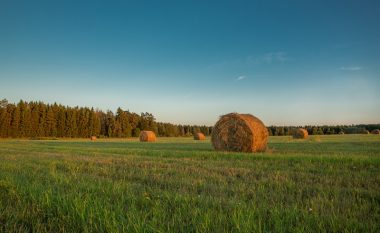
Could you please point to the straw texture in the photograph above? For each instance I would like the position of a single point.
(240, 133)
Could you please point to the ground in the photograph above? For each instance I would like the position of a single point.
(321, 184)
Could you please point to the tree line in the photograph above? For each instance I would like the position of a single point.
(323, 130)
(37, 119)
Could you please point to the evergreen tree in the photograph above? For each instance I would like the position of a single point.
(71, 124)
(25, 119)
(61, 122)
(110, 124)
(96, 123)
(50, 123)
(15, 124)
(34, 120)
(41, 120)
(6, 121)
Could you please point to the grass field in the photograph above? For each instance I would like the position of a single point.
(321, 184)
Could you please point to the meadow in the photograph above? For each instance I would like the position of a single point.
(319, 184)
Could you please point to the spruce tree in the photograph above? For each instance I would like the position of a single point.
(15, 123)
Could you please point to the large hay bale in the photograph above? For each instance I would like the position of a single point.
(300, 133)
(93, 138)
(147, 136)
(240, 133)
(375, 131)
(199, 136)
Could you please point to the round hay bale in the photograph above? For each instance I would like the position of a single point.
(240, 133)
(147, 136)
(199, 136)
(300, 133)
(375, 131)
(93, 138)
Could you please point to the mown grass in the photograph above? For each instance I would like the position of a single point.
(322, 184)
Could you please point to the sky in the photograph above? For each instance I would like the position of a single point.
(295, 62)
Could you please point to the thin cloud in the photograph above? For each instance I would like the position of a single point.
(240, 78)
(254, 60)
(351, 68)
(275, 57)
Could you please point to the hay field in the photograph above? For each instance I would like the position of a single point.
(321, 184)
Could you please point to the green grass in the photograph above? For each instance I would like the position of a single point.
(322, 184)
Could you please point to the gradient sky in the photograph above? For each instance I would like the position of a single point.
(287, 62)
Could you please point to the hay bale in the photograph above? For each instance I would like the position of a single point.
(147, 136)
(93, 138)
(199, 136)
(375, 131)
(240, 133)
(300, 134)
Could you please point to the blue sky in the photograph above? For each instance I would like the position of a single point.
(287, 62)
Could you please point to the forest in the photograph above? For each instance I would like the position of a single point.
(37, 119)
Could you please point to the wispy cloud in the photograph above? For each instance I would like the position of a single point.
(275, 57)
(240, 78)
(351, 68)
(254, 60)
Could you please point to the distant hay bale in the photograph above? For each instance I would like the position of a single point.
(93, 138)
(375, 131)
(365, 132)
(240, 133)
(300, 133)
(147, 136)
(199, 136)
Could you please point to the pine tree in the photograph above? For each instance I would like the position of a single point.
(41, 120)
(15, 124)
(61, 122)
(123, 122)
(110, 124)
(6, 121)
(95, 123)
(25, 119)
(71, 124)
(50, 123)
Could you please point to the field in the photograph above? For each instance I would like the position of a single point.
(321, 184)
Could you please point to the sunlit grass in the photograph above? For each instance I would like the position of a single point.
(320, 184)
